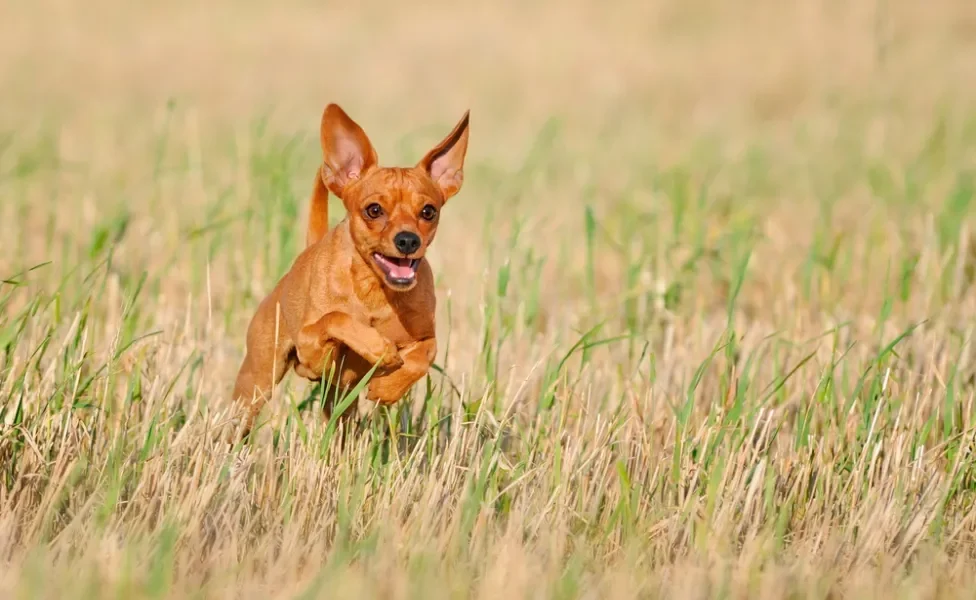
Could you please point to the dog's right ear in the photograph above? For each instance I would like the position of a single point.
(445, 163)
(346, 151)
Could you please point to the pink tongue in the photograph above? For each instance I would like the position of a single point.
(400, 268)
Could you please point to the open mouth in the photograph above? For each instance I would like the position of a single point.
(398, 271)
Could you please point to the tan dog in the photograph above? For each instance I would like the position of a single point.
(361, 294)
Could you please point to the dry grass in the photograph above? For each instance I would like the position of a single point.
(706, 302)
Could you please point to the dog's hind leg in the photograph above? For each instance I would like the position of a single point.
(268, 357)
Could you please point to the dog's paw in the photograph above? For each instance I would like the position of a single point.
(390, 359)
(384, 391)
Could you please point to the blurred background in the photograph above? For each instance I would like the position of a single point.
(695, 64)
(789, 137)
(760, 201)
(681, 140)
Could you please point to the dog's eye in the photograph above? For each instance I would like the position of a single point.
(374, 211)
(428, 213)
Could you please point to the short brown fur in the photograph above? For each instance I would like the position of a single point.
(338, 310)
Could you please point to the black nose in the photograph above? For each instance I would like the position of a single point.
(407, 242)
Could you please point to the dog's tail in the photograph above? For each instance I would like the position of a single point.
(318, 211)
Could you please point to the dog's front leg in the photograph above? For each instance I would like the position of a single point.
(417, 358)
(318, 337)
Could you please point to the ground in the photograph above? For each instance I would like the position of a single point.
(705, 302)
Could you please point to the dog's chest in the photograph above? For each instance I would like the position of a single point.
(389, 325)
(400, 326)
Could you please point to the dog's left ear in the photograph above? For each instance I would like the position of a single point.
(445, 163)
(346, 151)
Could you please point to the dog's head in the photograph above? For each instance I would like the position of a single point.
(393, 211)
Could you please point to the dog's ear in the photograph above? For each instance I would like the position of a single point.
(346, 151)
(445, 163)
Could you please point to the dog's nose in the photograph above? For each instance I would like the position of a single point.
(407, 242)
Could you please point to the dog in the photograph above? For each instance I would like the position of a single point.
(360, 295)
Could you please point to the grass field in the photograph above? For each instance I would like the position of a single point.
(705, 304)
